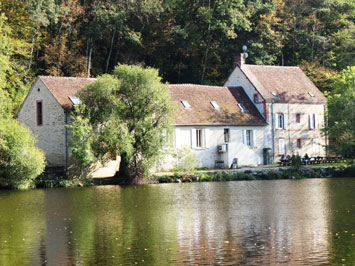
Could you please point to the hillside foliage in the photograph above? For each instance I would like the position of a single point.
(188, 41)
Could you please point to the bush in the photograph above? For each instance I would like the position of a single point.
(185, 161)
(20, 160)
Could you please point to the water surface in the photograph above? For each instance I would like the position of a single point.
(280, 222)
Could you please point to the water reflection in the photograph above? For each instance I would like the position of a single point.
(291, 222)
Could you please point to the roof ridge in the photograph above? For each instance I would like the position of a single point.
(270, 66)
(60, 77)
(199, 85)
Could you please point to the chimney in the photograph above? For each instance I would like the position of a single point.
(239, 60)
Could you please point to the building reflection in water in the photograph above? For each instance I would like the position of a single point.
(229, 223)
(254, 223)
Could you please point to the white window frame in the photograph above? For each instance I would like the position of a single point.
(315, 145)
(198, 138)
(312, 121)
(215, 105)
(249, 138)
(282, 146)
(227, 135)
(280, 121)
(186, 104)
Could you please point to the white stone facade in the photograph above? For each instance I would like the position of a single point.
(297, 138)
(246, 147)
(50, 135)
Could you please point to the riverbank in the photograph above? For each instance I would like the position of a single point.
(260, 173)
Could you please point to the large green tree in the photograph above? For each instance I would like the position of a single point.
(128, 112)
(341, 114)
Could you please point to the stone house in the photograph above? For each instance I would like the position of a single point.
(46, 111)
(261, 111)
(291, 104)
(219, 124)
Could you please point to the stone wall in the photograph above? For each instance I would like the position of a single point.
(51, 135)
(214, 136)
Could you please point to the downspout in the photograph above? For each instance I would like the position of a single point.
(66, 142)
(272, 131)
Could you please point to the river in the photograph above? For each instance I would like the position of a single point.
(278, 222)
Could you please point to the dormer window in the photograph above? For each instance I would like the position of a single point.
(74, 100)
(215, 105)
(242, 107)
(311, 94)
(256, 98)
(186, 104)
(274, 93)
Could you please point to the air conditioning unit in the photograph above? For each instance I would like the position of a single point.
(222, 148)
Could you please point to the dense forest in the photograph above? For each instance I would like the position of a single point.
(188, 41)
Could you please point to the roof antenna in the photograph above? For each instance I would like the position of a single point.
(245, 48)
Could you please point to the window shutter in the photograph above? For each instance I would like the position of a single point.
(310, 121)
(275, 120)
(254, 138)
(315, 121)
(285, 121)
(193, 138)
(245, 137)
(205, 137)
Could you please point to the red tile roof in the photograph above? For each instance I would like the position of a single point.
(198, 96)
(64, 87)
(289, 83)
(202, 111)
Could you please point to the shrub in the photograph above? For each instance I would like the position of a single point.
(185, 161)
(20, 160)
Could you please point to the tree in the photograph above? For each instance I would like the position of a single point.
(20, 160)
(128, 112)
(341, 114)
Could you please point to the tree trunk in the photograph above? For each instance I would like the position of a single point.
(109, 54)
(89, 58)
(128, 173)
(32, 49)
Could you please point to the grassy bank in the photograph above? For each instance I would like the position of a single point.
(281, 173)
(54, 181)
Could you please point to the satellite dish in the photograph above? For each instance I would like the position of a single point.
(245, 55)
(244, 48)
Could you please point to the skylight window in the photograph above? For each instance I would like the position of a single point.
(274, 93)
(186, 104)
(215, 105)
(242, 107)
(311, 94)
(74, 100)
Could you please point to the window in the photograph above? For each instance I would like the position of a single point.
(74, 100)
(249, 138)
(312, 120)
(226, 135)
(279, 121)
(311, 94)
(186, 104)
(281, 147)
(39, 112)
(299, 144)
(315, 146)
(242, 107)
(256, 98)
(215, 105)
(199, 138)
(274, 93)
(298, 118)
